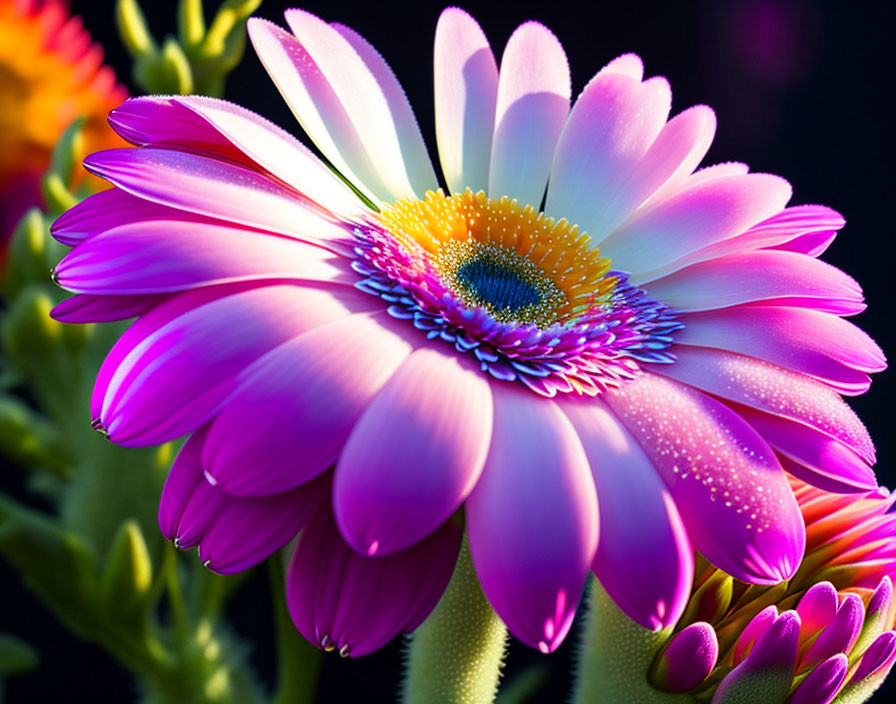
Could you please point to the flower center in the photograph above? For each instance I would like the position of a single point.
(518, 264)
(527, 296)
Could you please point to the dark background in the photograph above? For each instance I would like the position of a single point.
(800, 89)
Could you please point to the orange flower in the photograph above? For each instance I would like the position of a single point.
(50, 74)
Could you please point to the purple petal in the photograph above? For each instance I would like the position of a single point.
(233, 534)
(185, 475)
(821, 345)
(87, 308)
(294, 407)
(770, 388)
(355, 604)
(789, 225)
(823, 683)
(702, 212)
(107, 210)
(733, 496)
(758, 625)
(767, 672)
(163, 256)
(880, 654)
(415, 453)
(818, 459)
(644, 559)
(165, 377)
(532, 518)
(840, 634)
(767, 276)
(687, 660)
(214, 188)
(202, 124)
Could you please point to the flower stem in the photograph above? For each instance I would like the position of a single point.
(455, 657)
(298, 661)
(615, 655)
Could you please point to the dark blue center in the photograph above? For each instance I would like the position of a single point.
(496, 285)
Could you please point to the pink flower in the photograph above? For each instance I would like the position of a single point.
(828, 632)
(369, 367)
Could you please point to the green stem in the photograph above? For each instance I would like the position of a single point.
(298, 664)
(455, 657)
(614, 657)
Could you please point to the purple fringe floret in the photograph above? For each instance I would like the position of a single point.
(600, 349)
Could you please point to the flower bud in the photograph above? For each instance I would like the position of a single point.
(827, 634)
(127, 576)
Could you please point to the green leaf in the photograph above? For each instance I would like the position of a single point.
(16, 656)
(55, 564)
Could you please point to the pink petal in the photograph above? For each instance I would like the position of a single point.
(823, 461)
(610, 128)
(316, 105)
(674, 154)
(731, 492)
(772, 389)
(202, 124)
(532, 518)
(840, 634)
(233, 534)
(340, 599)
(644, 559)
(817, 608)
(704, 212)
(533, 101)
(465, 77)
(414, 455)
(374, 104)
(164, 256)
(773, 277)
(294, 407)
(198, 122)
(626, 65)
(215, 188)
(788, 226)
(669, 165)
(821, 345)
(165, 377)
(758, 625)
(413, 150)
(162, 121)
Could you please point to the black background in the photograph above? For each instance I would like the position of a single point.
(801, 89)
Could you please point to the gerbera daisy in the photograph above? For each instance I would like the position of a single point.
(50, 74)
(373, 364)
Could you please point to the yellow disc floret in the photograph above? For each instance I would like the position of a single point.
(519, 264)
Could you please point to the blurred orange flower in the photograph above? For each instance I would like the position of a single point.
(50, 74)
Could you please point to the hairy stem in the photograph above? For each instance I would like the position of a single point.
(455, 657)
